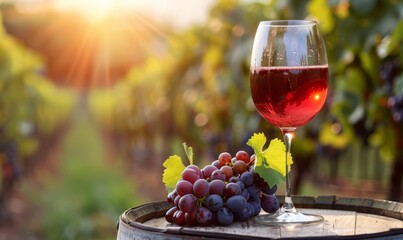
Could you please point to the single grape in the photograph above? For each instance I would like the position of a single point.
(214, 202)
(190, 218)
(243, 156)
(269, 203)
(233, 160)
(179, 218)
(244, 214)
(269, 190)
(207, 171)
(204, 216)
(216, 187)
(184, 187)
(224, 216)
(224, 158)
(247, 178)
(170, 214)
(228, 172)
(188, 203)
(254, 192)
(236, 203)
(196, 168)
(201, 188)
(232, 189)
(216, 164)
(218, 174)
(171, 197)
(240, 167)
(190, 175)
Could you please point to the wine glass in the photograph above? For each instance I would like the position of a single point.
(289, 82)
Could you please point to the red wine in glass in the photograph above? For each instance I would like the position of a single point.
(289, 84)
(289, 96)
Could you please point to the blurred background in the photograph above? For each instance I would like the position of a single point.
(95, 95)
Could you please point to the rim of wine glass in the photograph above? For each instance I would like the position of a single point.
(288, 23)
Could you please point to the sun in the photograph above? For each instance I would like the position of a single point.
(93, 10)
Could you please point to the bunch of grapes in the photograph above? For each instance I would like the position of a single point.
(227, 190)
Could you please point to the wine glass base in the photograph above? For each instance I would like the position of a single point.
(282, 218)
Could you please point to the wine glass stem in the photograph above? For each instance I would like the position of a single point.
(288, 205)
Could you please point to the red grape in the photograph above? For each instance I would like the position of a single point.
(170, 213)
(187, 203)
(228, 172)
(190, 175)
(184, 187)
(252, 159)
(218, 174)
(208, 170)
(216, 187)
(201, 188)
(243, 156)
(171, 197)
(179, 218)
(232, 189)
(196, 168)
(240, 167)
(224, 158)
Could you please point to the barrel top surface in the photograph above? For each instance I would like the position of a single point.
(343, 218)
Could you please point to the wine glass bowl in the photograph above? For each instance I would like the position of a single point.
(289, 83)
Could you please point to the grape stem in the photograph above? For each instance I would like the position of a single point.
(288, 205)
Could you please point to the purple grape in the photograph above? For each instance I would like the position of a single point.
(201, 188)
(244, 214)
(214, 202)
(247, 178)
(179, 218)
(269, 203)
(233, 179)
(236, 203)
(269, 190)
(224, 216)
(190, 218)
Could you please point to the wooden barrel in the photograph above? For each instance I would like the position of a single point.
(345, 218)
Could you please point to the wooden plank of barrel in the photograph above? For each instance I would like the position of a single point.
(345, 218)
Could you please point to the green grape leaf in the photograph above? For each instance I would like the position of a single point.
(189, 152)
(257, 142)
(172, 172)
(275, 156)
(270, 163)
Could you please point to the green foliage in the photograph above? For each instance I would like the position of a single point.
(89, 196)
